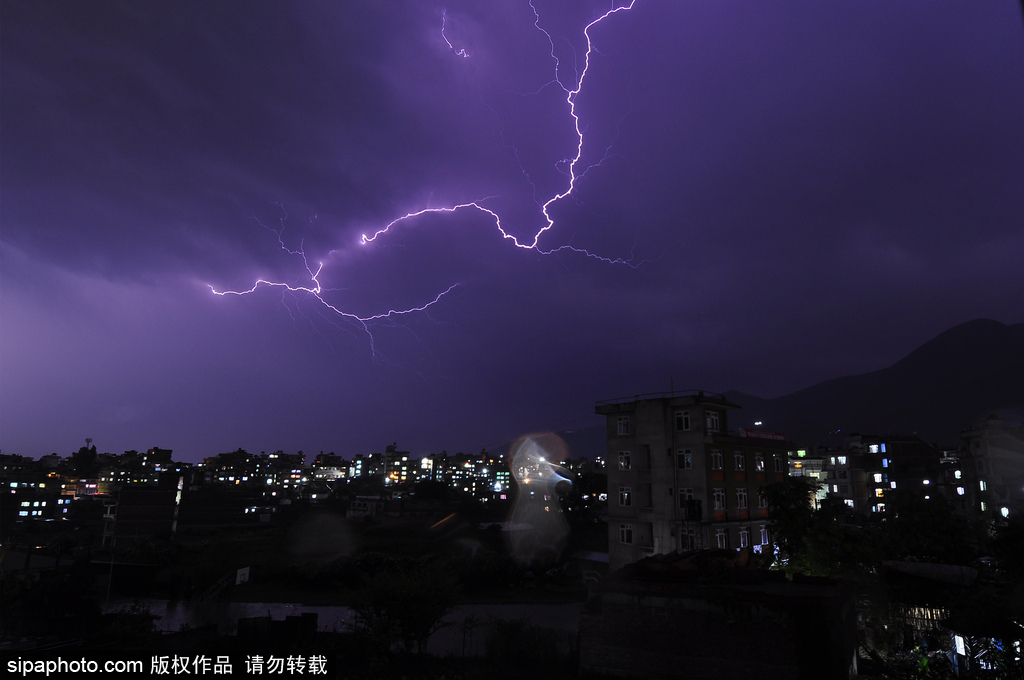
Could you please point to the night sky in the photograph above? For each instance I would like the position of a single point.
(794, 191)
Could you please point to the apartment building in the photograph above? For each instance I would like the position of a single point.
(679, 479)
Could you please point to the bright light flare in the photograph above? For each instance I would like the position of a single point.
(536, 504)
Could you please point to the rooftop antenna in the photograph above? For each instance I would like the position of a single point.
(88, 440)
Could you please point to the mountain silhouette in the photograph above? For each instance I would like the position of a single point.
(941, 388)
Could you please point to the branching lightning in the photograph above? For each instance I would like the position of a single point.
(568, 166)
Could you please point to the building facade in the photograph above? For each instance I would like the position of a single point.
(679, 479)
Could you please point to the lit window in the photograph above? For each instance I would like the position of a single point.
(682, 420)
(759, 462)
(721, 538)
(625, 496)
(23, 513)
(873, 448)
(684, 459)
(739, 461)
(835, 488)
(842, 460)
(626, 533)
(960, 491)
(982, 485)
(879, 493)
(716, 459)
(624, 460)
(764, 534)
(741, 499)
(885, 462)
(957, 474)
(849, 502)
(744, 537)
(878, 478)
(1005, 512)
(892, 485)
(623, 426)
(984, 506)
(882, 447)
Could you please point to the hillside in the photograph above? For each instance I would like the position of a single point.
(939, 389)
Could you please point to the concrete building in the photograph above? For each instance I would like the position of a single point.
(870, 471)
(997, 449)
(679, 479)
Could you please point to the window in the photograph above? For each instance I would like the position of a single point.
(626, 533)
(960, 491)
(623, 426)
(982, 485)
(684, 458)
(716, 459)
(721, 538)
(711, 418)
(764, 534)
(688, 539)
(719, 499)
(957, 474)
(778, 463)
(849, 502)
(625, 496)
(879, 493)
(685, 495)
(741, 499)
(683, 420)
(739, 460)
(624, 460)
(878, 478)
(744, 537)
(759, 462)
(762, 500)
(842, 460)
(885, 462)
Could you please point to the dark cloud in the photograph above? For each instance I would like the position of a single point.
(809, 190)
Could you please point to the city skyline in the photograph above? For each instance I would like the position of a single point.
(793, 195)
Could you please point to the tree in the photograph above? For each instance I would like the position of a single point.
(813, 540)
(83, 462)
(405, 602)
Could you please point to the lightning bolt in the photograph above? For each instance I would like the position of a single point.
(571, 170)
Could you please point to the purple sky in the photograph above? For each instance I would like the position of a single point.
(805, 190)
